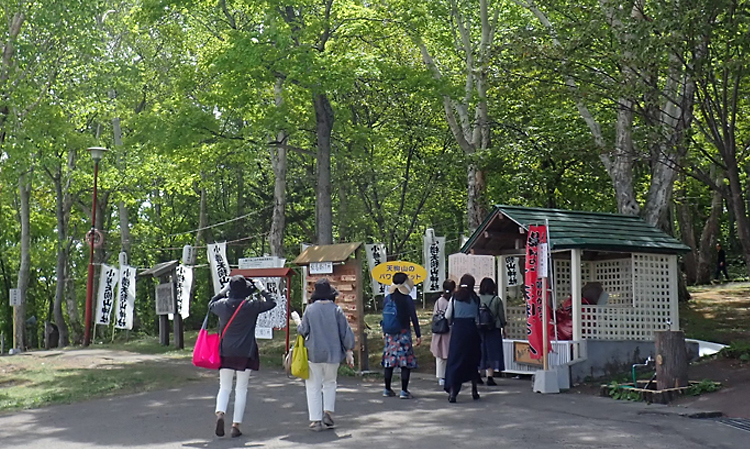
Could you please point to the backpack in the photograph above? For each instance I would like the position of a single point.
(485, 318)
(390, 322)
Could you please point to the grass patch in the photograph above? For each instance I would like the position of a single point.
(719, 314)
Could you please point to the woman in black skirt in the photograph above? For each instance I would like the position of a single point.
(492, 338)
(464, 354)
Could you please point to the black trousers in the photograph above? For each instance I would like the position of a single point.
(721, 269)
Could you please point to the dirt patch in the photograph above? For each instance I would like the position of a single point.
(733, 399)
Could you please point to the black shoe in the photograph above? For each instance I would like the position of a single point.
(475, 395)
(220, 426)
(491, 382)
(235, 432)
(452, 399)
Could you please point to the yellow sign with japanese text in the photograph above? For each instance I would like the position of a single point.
(384, 272)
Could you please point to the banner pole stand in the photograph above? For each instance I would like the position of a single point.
(545, 380)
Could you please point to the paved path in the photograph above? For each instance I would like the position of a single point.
(508, 416)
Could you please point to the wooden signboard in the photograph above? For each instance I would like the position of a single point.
(345, 279)
(522, 354)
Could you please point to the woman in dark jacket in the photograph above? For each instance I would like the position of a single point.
(238, 350)
(398, 350)
(464, 353)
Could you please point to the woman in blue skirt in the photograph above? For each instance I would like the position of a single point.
(464, 353)
(492, 338)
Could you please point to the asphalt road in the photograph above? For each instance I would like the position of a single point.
(509, 415)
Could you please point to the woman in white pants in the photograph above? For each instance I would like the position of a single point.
(238, 350)
(329, 341)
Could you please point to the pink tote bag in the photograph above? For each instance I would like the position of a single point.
(206, 351)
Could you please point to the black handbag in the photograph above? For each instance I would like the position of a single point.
(440, 323)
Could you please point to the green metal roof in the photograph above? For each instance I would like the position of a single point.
(584, 230)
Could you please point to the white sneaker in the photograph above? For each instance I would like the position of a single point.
(441, 382)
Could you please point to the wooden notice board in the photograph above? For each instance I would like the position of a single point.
(346, 279)
(522, 354)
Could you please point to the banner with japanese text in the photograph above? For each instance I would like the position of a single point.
(217, 260)
(434, 263)
(105, 299)
(183, 289)
(533, 293)
(125, 298)
(376, 254)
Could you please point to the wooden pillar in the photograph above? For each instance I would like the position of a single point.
(674, 294)
(575, 292)
(163, 319)
(363, 362)
(671, 360)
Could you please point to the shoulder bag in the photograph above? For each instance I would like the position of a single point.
(206, 351)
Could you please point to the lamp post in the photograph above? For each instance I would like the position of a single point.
(96, 154)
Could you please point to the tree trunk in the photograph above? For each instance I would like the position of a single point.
(475, 207)
(671, 360)
(202, 214)
(708, 239)
(122, 208)
(737, 203)
(279, 165)
(687, 235)
(24, 269)
(61, 268)
(324, 212)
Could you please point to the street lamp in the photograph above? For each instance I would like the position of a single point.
(96, 154)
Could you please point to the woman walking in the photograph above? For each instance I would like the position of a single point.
(440, 342)
(398, 350)
(492, 338)
(238, 348)
(329, 341)
(464, 352)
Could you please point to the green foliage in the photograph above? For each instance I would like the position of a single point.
(704, 386)
(739, 350)
(623, 392)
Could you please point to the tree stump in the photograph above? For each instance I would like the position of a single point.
(671, 360)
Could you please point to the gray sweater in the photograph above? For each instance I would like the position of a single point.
(326, 331)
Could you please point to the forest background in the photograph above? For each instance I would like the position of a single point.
(270, 123)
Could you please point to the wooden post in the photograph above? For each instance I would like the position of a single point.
(163, 319)
(363, 362)
(179, 334)
(671, 360)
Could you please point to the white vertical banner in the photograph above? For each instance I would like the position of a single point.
(125, 298)
(105, 300)
(184, 287)
(511, 271)
(302, 247)
(434, 263)
(217, 260)
(376, 255)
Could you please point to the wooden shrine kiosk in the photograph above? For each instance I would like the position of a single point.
(342, 264)
(631, 265)
(166, 301)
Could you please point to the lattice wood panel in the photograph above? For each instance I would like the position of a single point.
(616, 276)
(516, 319)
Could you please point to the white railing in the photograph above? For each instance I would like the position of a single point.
(563, 353)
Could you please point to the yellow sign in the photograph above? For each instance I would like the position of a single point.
(522, 354)
(384, 272)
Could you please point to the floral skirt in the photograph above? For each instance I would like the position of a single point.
(398, 351)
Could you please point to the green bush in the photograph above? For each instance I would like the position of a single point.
(739, 350)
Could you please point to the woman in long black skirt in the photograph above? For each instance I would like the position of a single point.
(464, 354)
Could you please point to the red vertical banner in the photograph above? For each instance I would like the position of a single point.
(533, 293)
